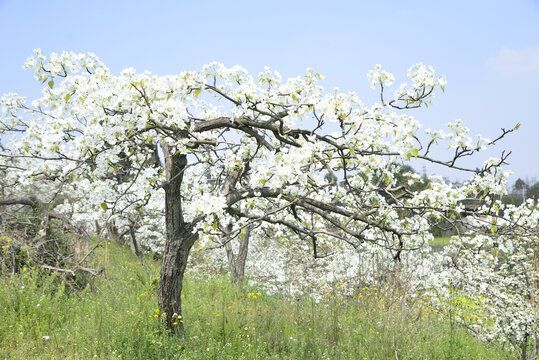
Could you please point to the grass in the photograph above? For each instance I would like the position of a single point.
(115, 317)
(439, 243)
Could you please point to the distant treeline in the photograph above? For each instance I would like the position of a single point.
(521, 191)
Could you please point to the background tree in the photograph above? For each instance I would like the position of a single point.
(533, 192)
(521, 186)
(496, 277)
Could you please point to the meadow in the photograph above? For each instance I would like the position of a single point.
(114, 316)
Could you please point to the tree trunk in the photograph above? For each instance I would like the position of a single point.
(114, 234)
(133, 242)
(524, 347)
(171, 280)
(179, 240)
(236, 263)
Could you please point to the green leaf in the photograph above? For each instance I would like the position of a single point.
(51, 83)
(415, 152)
(104, 206)
(68, 96)
(494, 229)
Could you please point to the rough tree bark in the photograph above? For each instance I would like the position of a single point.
(133, 242)
(179, 241)
(236, 263)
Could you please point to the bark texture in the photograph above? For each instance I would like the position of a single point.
(236, 262)
(180, 239)
(135, 249)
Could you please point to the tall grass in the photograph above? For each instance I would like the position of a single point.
(116, 317)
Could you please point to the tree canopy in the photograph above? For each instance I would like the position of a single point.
(240, 151)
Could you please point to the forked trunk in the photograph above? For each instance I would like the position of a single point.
(180, 239)
(236, 263)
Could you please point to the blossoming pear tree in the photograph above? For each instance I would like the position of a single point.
(492, 276)
(240, 151)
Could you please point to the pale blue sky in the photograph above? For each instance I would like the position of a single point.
(489, 50)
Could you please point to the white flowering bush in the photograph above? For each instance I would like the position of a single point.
(490, 282)
(287, 266)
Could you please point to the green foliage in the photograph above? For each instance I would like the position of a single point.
(520, 185)
(522, 190)
(116, 317)
(331, 178)
(513, 198)
(533, 192)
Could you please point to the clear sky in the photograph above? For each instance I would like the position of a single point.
(489, 50)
